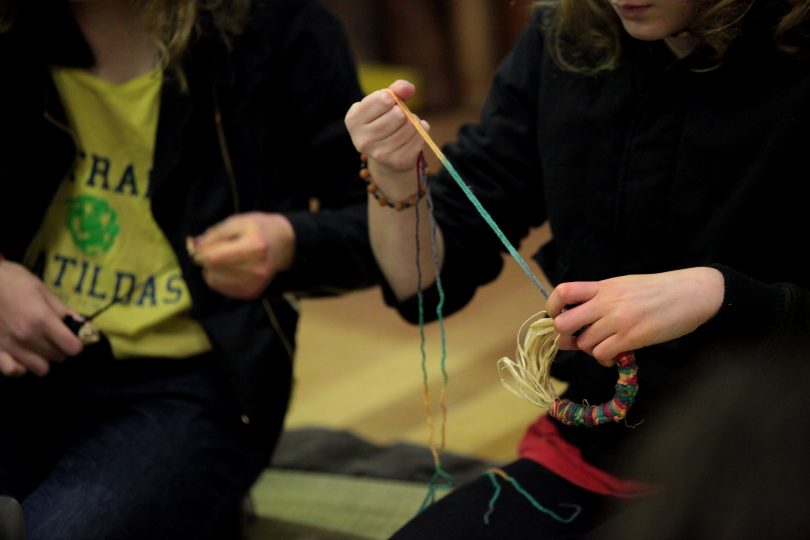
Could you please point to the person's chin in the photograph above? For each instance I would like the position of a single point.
(643, 32)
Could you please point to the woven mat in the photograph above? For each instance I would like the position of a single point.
(296, 505)
(332, 485)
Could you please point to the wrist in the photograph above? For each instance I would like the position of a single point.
(281, 238)
(401, 189)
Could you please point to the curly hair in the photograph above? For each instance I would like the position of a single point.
(585, 35)
(172, 22)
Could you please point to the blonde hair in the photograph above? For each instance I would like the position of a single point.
(585, 35)
(173, 22)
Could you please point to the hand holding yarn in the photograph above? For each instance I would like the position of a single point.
(381, 130)
(606, 319)
(241, 255)
(627, 313)
(32, 334)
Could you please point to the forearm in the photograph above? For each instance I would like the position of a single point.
(397, 235)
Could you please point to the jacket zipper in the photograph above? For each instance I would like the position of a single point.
(226, 159)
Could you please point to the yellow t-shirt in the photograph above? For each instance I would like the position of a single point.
(99, 243)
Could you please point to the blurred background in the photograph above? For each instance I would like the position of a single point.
(451, 46)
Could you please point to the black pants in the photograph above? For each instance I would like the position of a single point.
(460, 515)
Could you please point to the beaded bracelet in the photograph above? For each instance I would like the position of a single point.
(374, 189)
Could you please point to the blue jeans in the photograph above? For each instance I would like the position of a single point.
(137, 449)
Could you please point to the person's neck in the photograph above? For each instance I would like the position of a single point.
(122, 47)
(681, 44)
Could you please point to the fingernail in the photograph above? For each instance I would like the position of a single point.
(191, 245)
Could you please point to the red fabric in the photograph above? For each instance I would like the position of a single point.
(543, 444)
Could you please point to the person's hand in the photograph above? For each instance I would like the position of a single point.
(32, 334)
(241, 255)
(380, 129)
(630, 312)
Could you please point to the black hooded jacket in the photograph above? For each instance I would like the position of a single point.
(259, 127)
(657, 165)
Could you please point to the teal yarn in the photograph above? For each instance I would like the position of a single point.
(440, 304)
(528, 497)
(491, 222)
(467, 191)
(494, 499)
(440, 478)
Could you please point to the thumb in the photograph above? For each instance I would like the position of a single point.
(228, 229)
(60, 334)
(404, 90)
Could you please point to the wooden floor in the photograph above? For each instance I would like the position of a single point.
(359, 365)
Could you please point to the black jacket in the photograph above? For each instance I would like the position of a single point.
(656, 166)
(281, 94)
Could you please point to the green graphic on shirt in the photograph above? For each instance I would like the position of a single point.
(93, 225)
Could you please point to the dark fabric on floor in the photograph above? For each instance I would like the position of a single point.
(341, 452)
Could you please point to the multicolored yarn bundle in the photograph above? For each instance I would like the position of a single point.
(615, 410)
